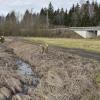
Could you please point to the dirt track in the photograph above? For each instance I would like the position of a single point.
(83, 53)
(64, 75)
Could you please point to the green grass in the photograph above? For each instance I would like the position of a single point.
(98, 78)
(86, 44)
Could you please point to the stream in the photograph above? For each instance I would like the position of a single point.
(24, 68)
(31, 79)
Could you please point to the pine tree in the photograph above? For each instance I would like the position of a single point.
(66, 18)
(51, 13)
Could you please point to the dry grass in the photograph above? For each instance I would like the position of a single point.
(64, 76)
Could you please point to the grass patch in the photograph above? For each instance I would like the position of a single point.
(86, 44)
(98, 78)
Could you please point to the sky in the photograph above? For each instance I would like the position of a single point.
(21, 5)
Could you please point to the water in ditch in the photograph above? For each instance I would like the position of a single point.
(24, 69)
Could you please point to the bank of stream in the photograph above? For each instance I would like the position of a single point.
(24, 69)
(29, 79)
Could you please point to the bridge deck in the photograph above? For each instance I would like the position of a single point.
(85, 28)
(79, 28)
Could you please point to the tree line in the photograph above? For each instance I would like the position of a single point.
(87, 14)
(36, 24)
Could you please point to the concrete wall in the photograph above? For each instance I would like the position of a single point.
(82, 33)
(98, 33)
(91, 34)
(87, 34)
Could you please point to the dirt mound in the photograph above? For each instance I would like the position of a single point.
(64, 76)
(14, 85)
(9, 83)
(71, 34)
(64, 34)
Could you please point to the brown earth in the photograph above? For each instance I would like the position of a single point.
(13, 86)
(64, 76)
(8, 74)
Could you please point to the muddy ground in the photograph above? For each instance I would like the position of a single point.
(57, 75)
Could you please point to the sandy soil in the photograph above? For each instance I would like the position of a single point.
(64, 75)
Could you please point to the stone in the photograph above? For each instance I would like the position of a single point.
(6, 92)
(2, 97)
(14, 85)
(21, 97)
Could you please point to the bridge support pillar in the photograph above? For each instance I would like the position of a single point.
(87, 34)
(98, 33)
(91, 34)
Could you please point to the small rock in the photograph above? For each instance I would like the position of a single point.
(21, 97)
(5, 92)
(14, 85)
(2, 97)
(35, 82)
(29, 92)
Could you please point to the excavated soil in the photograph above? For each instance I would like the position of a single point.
(59, 75)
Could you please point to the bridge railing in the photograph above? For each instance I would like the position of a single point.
(84, 28)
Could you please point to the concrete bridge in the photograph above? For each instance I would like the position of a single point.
(85, 32)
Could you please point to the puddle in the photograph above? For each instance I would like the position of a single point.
(25, 70)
